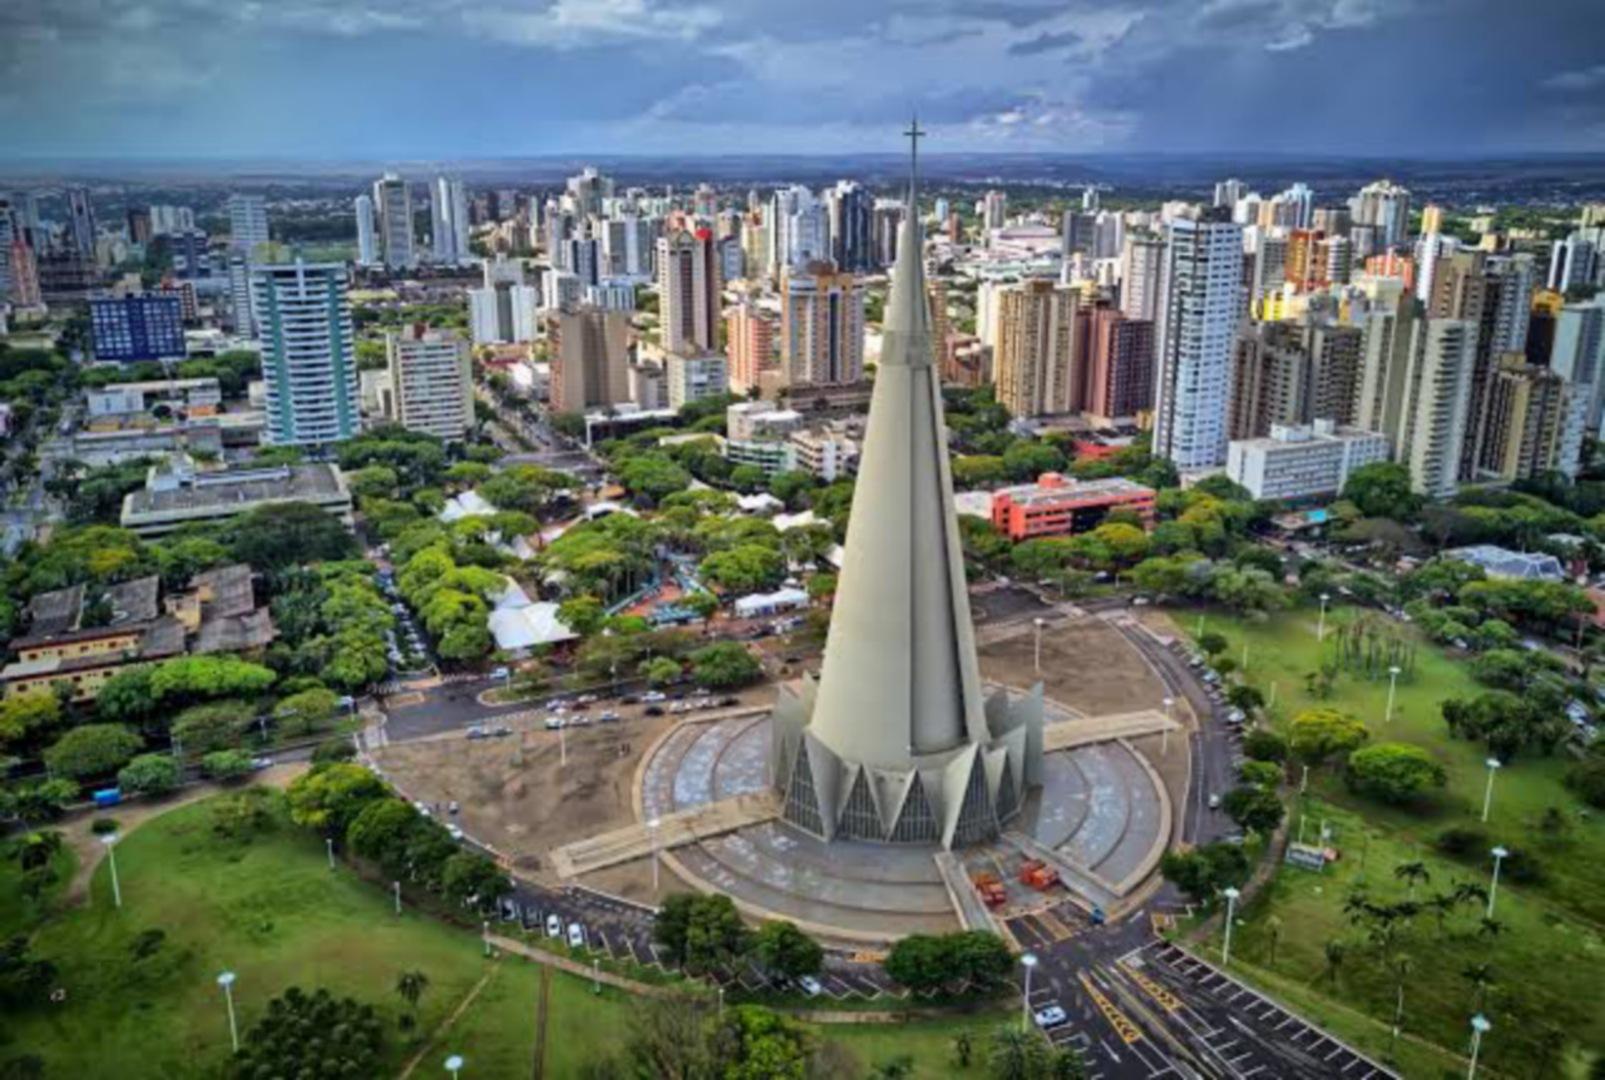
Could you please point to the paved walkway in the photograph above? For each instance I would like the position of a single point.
(1070, 734)
(681, 827)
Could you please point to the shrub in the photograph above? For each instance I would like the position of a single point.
(336, 749)
(1461, 841)
(226, 765)
(1263, 744)
(149, 774)
(1587, 779)
(1522, 868)
(103, 826)
(1394, 772)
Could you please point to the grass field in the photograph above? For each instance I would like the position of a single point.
(271, 910)
(1547, 965)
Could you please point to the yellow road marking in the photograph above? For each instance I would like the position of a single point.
(1165, 998)
(1123, 1027)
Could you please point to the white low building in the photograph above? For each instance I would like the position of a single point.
(520, 624)
(759, 604)
(1301, 462)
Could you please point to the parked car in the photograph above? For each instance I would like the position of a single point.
(499, 673)
(1052, 1016)
(576, 935)
(609, 717)
(1214, 802)
(810, 986)
(653, 710)
(554, 926)
(653, 696)
(455, 832)
(554, 723)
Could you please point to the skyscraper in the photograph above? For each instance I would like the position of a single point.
(590, 360)
(392, 201)
(367, 250)
(309, 363)
(1385, 205)
(504, 309)
(448, 220)
(749, 345)
(1227, 192)
(851, 213)
(1139, 277)
(1437, 403)
(1120, 369)
(588, 190)
(821, 326)
(241, 313)
(1200, 302)
(1034, 364)
(81, 222)
(689, 291)
(247, 223)
(431, 379)
(994, 209)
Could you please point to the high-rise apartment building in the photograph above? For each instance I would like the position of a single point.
(1437, 403)
(1034, 364)
(247, 223)
(821, 326)
(1385, 205)
(1270, 380)
(431, 378)
(689, 291)
(1431, 219)
(309, 364)
(590, 359)
(448, 220)
(367, 247)
(749, 346)
(1577, 353)
(695, 376)
(1227, 192)
(1139, 277)
(1199, 308)
(81, 222)
(392, 202)
(1523, 420)
(1120, 369)
(850, 210)
(504, 309)
(241, 314)
(142, 326)
(1573, 262)
(23, 276)
(589, 191)
(994, 209)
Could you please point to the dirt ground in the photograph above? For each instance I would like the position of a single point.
(525, 810)
(1086, 664)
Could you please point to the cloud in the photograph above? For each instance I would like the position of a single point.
(1045, 42)
(1579, 79)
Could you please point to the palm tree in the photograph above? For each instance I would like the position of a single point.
(1335, 950)
(1479, 975)
(411, 986)
(1414, 873)
(1490, 928)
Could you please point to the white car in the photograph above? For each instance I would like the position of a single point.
(554, 926)
(1052, 1016)
(553, 723)
(1214, 802)
(652, 697)
(810, 986)
(454, 832)
(576, 936)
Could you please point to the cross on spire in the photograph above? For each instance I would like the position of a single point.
(915, 133)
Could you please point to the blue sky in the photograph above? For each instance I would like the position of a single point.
(475, 78)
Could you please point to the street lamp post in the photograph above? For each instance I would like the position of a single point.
(596, 975)
(1393, 685)
(1231, 913)
(226, 981)
(1164, 739)
(1493, 764)
(721, 1003)
(397, 885)
(454, 1065)
(1479, 1027)
(1039, 623)
(1499, 854)
(110, 840)
(1320, 627)
(652, 831)
(1028, 961)
(484, 932)
(562, 742)
(328, 846)
(1304, 780)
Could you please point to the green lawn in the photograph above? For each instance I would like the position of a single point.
(1548, 968)
(1283, 650)
(272, 911)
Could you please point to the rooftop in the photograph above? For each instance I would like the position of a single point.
(58, 615)
(1052, 487)
(1503, 563)
(307, 483)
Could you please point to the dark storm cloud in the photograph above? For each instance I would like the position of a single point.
(1045, 43)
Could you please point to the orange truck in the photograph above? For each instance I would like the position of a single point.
(1038, 874)
(993, 894)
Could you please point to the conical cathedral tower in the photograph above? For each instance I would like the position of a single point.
(894, 742)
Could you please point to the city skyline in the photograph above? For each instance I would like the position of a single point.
(161, 78)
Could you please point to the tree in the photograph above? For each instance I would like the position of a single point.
(1203, 872)
(660, 670)
(1318, 734)
(382, 833)
(1394, 772)
(23, 716)
(215, 726)
(410, 985)
(1016, 1054)
(583, 614)
(1413, 873)
(926, 964)
(1254, 808)
(786, 951)
(330, 797)
(1334, 952)
(312, 1035)
(24, 978)
(287, 534)
(92, 750)
(149, 774)
(468, 875)
(1212, 642)
(226, 766)
(297, 714)
(1264, 774)
(1263, 744)
(1382, 490)
(745, 568)
(1026, 460)
(724, 666)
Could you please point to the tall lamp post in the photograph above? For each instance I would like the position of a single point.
(1028, 961)
(1393, 685)
(328, 846)
(1164, 739)
(1493, 764)
(1039, 623)
(1320, 627)
(226, 981)
(1479, 1027)
(454, 1065)
(1499, 854)
(110, 840)
(1231, 913)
